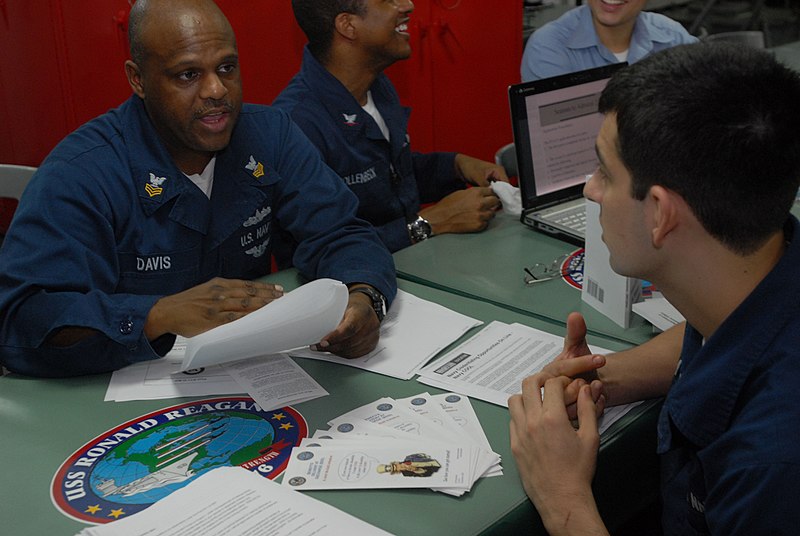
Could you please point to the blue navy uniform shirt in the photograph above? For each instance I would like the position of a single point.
(728, 429)
(389, 179)
(108, 225)
(570, 43)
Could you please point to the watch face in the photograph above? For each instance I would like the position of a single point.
(420, 229)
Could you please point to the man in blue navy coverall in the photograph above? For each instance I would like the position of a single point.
(349, 109)
(598, 33)
(152, 220)
(699, 166)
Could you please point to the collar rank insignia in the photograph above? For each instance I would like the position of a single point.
(350, 120)
(256, 167)
(153, 188)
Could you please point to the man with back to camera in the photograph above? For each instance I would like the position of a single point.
(349, 109)
(699, 165)
(598, 33)
(153, 220)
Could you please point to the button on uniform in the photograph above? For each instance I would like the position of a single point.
(126, 326)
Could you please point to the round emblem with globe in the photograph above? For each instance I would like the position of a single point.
(128, 468)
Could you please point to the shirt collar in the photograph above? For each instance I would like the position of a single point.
(345, 109)
(584, 35)
(644, 35)
(701, 402)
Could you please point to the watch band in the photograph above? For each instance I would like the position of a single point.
(378, 301)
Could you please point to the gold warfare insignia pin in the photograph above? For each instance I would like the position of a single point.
(153, 188)
(256, 167)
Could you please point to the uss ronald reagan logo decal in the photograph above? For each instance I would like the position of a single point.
(128, 468)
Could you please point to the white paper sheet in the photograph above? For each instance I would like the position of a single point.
(161, 378)
(240, 503)
(491, 365)
(299, 318)
(274, 381)
(413, 332)
(659, 312)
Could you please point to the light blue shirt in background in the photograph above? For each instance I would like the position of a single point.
(570, 43)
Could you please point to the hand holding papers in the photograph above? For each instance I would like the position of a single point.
(299, 318)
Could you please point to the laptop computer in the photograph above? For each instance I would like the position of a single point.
(555, 123)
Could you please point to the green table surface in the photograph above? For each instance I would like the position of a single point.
(45, 420)
(489, 266)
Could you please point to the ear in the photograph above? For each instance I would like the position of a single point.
(344, 25)
(666, 213)
(134, 75)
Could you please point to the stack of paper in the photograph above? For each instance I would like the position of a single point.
(273, 381)
(424, 441)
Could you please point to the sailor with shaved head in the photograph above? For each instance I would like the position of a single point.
(157, 219)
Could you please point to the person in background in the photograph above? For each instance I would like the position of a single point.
(154, 219)
(349, 109)
(598, 33)
(699, 165)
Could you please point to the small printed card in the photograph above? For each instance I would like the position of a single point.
(374, 466)
(437, 439)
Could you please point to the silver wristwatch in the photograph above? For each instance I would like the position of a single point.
(378, 301)
(419, 230)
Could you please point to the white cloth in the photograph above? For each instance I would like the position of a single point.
(510, 197)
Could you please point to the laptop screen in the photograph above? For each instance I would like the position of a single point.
(555, 122)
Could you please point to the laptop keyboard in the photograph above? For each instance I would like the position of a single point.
(572, 217)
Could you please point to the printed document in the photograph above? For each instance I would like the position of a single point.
(161, 378)
(236, 502)
(274, 381)
(659, 312)
(491, 365)
(413, 332)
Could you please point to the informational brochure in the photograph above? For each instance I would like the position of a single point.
(413, 332)
(491, 365)
(413, 423)
(236, 502)
(370, 466)
(457, 409)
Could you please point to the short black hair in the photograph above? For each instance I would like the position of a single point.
(135, 17)
(316, 19)
(716, 123)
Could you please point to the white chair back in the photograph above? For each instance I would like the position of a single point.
(13, 179)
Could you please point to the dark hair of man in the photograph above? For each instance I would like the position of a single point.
(717, 124)
(316, 19)
(135, 31)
